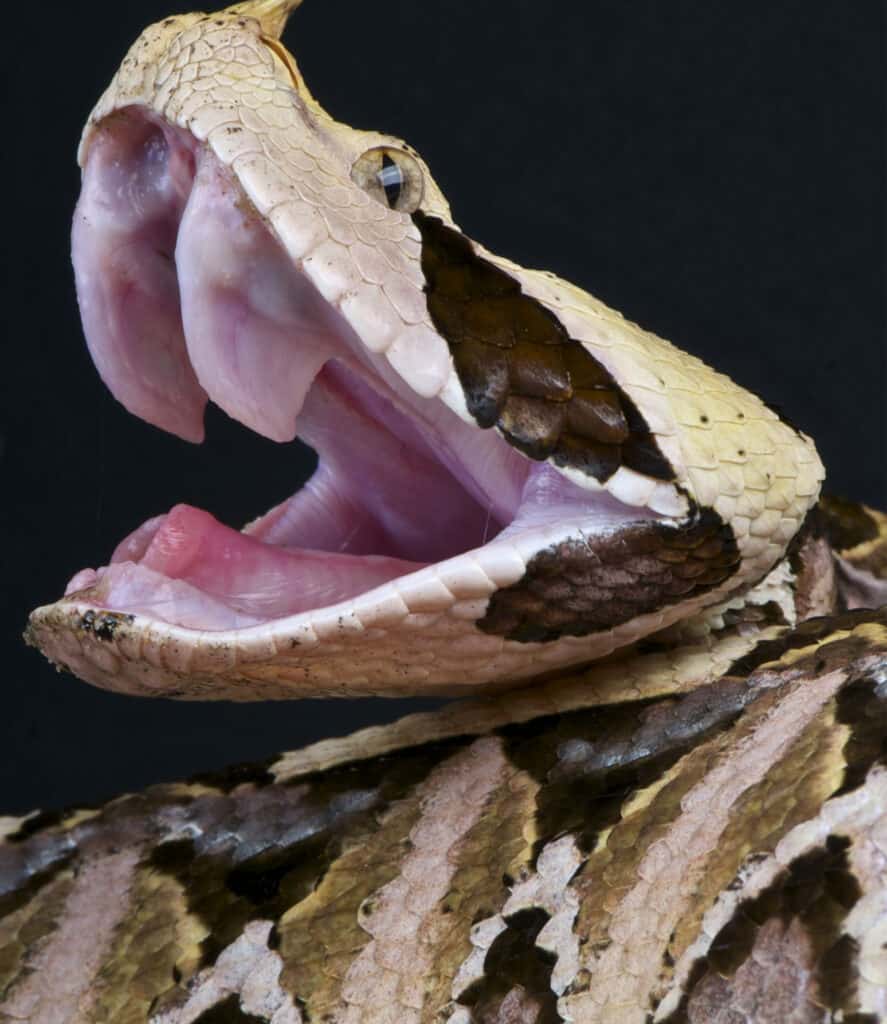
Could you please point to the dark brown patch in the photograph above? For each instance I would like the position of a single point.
(811, 632)
(522, 373)
(228, 1012)
(256, 773)
(760, 615)
(818, 887)
(818, 890)
(22, 877)
(578, 587)
(42, 821)
(846, 523)
(862, 705)
(103, 625)
(516, 985)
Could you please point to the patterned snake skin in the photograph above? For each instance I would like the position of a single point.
(696, 832)
(692, 828)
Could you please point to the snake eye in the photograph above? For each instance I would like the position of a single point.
(390, 175)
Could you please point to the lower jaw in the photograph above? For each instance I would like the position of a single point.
(197, 573)
(190, 571)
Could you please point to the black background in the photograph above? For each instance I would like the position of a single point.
(715, 171)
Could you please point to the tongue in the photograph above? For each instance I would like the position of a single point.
(254, 578)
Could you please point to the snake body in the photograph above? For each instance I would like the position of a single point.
(695, 832)
(665, 799)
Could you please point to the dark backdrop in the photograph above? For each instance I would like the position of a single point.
(715, 171)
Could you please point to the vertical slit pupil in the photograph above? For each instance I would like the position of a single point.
(391, 180)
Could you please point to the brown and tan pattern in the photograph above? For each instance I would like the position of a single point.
(784, 955)
(652, 872)
(586, 585)
(851, 527)
(802, 929)
(407, 918)
(858, 533)
(523, 373)
(692, 830)
(569, 867)
(242, 984)
(60, 984)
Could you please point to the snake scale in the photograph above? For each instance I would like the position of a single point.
(663, 795)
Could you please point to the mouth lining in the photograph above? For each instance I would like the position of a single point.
(402, 483)
(352, 526)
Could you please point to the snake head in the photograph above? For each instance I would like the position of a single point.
(512, 478)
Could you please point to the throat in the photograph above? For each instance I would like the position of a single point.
(386, 484)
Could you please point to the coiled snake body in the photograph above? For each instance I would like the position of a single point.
(514, 482)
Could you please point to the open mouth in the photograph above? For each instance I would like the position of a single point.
(186, 296)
